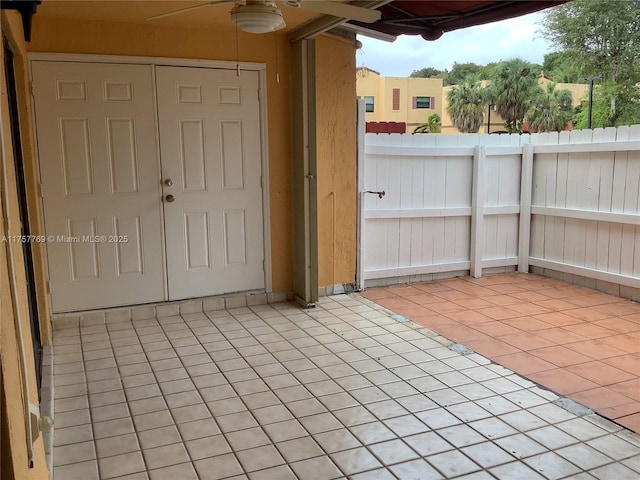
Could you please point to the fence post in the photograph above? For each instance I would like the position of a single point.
(361, 135)
(477, 211)
(526, 185)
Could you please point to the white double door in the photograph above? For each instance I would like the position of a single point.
(151, 182)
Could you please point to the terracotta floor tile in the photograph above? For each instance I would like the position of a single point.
(528, 308)
(557, 318)
(474, 290)
(526, 341)
(590, 330)
(452, 295)
(436, 321)
(468, 317)
(591, 299)
(629, 363)
(377, 293)
(560, 336)
(445, 307)
(601, 397)
(619, 308)
(560, 356)
(508, 288)
(461, 334)
(500, 313)
(495, 328)
(634, 317)
(468, 302)
(600, 373)
(528, 324)
(628, 343)
(562, 382)
(502, 300)
(595, 349)
(524, 363)
(618, 411)
(630, 388)
(632, 422)
(587, 314)
(556, 304)
(529, 296)
(431, 287)
(559, 292)
(491, 347)
(423, 298)
(619, 325)
(411, 310)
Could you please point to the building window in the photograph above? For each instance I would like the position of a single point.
(368, 104)
(424, 102)
(396, 99)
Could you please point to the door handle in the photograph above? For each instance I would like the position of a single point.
(168, 182)
(169, 198)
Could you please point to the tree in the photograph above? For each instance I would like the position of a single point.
(426, 72)
(560, 67)
(625, 111)
(512, 86)
(599, 37)
(467, 102)
(550, 110)
(433, 125)
(460, 71)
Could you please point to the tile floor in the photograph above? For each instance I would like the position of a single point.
(575, 341)
(341, 391)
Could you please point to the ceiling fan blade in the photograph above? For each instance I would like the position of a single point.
(188, 9)
(344, 10)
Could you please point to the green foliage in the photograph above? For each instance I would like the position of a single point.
(467, 101)
(551, 109)
(626, 111)
(598, 37)
(433, 125)
(426, 72)
(461, 71)
(559, 67)
(512, 87)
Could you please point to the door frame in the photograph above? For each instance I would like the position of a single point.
(261, 68)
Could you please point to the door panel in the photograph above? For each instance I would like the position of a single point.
(101, 184)
(209, 124)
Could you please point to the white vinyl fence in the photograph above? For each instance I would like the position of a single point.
(569, 202)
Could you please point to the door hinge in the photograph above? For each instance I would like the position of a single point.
(261, 182)
(40, 194)
(31, 87)
(48, 287)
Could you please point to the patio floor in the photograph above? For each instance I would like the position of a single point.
(575, 341)
(344, 390)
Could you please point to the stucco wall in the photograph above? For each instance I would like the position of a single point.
(96, 37)
(13, 299)
(336, 139)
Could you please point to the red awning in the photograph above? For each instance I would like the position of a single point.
(432, 18)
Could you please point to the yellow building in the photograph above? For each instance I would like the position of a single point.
(399, 99)
(413, 100)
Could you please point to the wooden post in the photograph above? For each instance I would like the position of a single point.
(524, 232)
(477, 211)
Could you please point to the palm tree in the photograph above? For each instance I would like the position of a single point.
(551, 109)
(432, 125)
(467, 102)
(511, 87)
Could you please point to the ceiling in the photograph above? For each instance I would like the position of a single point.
(428, 18)
(432, 18)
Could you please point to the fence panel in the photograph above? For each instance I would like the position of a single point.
(583, 204)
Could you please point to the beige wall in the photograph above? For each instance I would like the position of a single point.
(67, 36)
(370, 83)
(13, 297)
(336, 139)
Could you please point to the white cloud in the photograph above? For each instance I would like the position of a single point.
(482, 44)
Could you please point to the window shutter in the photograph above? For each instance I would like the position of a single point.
(396, 99)
(433, 103)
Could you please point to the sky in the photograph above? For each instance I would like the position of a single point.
(516, 37)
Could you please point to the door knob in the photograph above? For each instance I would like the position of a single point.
(169, 198)
(168, 182)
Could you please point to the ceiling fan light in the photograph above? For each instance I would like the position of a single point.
(257, 17)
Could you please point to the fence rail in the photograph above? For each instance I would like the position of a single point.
(569, 202)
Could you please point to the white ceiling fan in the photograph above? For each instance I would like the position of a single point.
(262, 16)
